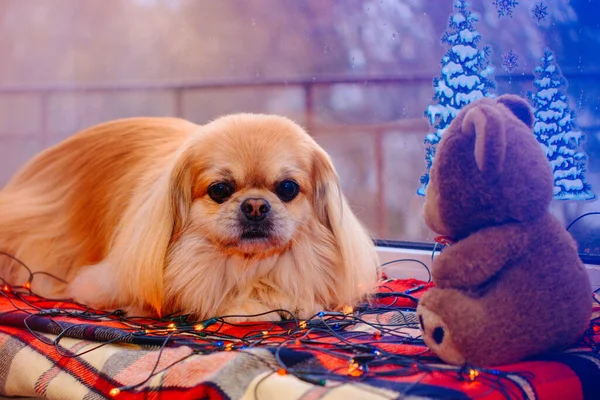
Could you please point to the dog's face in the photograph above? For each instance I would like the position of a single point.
(252, 184)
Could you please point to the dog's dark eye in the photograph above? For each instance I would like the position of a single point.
(220, 191)
(287, 190)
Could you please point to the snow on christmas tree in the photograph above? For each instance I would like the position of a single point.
(465, 77)
(555, 129)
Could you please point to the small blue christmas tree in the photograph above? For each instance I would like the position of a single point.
(555, 129)
(465, 77)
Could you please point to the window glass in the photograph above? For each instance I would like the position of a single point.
(359, 75)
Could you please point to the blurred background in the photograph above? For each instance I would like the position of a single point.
(357, 74)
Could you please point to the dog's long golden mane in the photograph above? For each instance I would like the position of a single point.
(116, 211)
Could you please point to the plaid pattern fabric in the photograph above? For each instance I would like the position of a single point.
(83, 366)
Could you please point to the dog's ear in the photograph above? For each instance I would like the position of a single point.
(359, 265)
(326, 187)
(141, 245)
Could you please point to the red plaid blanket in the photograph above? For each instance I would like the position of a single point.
(376, 352)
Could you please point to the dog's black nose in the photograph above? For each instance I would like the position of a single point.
(255, 209)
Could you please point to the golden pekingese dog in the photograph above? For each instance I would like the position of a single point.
(159, 215)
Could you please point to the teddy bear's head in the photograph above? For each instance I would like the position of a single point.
(489, 169)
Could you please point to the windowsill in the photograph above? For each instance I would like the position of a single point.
(412, 269)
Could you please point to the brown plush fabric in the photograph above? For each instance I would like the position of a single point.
(513, 285)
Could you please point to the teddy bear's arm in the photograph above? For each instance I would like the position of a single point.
(475, 259)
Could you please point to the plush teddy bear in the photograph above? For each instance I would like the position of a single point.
(512, 284)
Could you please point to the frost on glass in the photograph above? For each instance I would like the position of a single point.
(555, 129)
(465, 77)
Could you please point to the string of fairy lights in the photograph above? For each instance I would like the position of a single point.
(364, 352)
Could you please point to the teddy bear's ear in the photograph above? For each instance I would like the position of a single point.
(490, 138)
(518, 106)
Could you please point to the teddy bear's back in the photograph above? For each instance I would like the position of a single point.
(545, 295)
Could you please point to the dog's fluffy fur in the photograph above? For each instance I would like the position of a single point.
(121, 212)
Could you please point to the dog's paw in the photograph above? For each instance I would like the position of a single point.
(304, 312)
(91, 287)
(250, 311)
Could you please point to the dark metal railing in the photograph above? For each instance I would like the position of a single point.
(306, 84)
